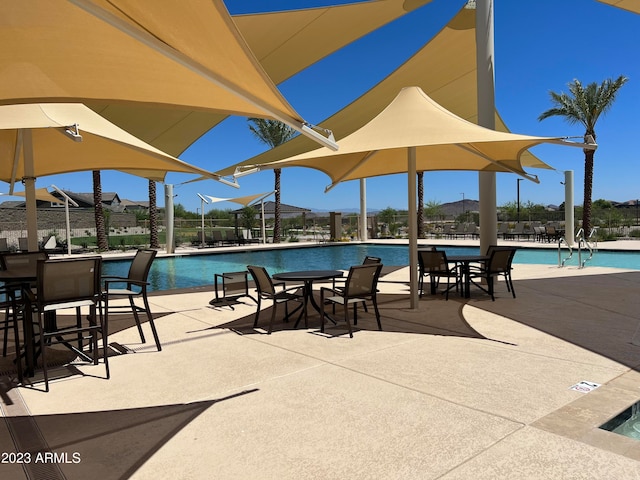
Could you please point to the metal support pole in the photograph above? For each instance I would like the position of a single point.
(413, 229)
(518, 199)
(569, 219)
(363, 210)
(168, 212)
(486, 118)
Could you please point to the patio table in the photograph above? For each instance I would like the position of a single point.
(465, 275)
(308, 277)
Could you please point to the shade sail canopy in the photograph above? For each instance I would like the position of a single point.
(287, 42)
(283, 42)
(42, 194)
(630, 5)
(186, 57)
(46, 139)
(413, 133)
(452, 84)
(104, 146)
(443, 141)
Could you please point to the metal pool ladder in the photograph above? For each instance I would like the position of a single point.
(583, 243)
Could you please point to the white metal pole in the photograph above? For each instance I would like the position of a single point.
(168, 214)
(202, 222)
(29, 181)
(486, 118)
(264, 230)
(363, 210)
(569, 219)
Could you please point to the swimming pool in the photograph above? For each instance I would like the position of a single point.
(198, 270)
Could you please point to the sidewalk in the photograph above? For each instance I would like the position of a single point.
(454, 390)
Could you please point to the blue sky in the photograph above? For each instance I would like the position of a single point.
(539, 46)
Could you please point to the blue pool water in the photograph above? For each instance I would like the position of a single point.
(198, 270)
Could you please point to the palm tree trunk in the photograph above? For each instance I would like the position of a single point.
(153, 216)
(276, 216)
(588, 185)
(420, 204)
(101, 234)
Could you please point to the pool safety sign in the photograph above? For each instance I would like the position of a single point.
(584, 387)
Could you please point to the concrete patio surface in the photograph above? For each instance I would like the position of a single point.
(456, 389)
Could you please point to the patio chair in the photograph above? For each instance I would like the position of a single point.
(499, 264)
(503, 230)
(4, 246)
(69, 284)
(132, 286)
(23, 244)
(22, 261)
(217, 238)
(233, 285)
(276, 292)
(434, 264)
(9, 304)
(361, 285)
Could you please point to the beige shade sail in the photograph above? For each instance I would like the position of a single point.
(283, 42)
(42, 194)
(37, 140)
(413, 133)
(452, 84)
(103, 145)
(630, 5)
(181, 56)
(443, 141)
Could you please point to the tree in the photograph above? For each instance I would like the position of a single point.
(388, 216)
(420, 219)
(153, 216)
(273, 133)
(584, 105)
(433, 209)
(101, 233)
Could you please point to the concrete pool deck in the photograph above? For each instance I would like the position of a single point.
(455, 390)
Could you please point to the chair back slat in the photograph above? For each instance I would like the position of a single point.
(141, 264)
(500, 260)
(362, 280)
(61, 280)
(22, 261)
(432, 261)
(262, 279)
(369, 260)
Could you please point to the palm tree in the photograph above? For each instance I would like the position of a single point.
(420, 204)
(153, 216)
(101, 234)
(273, 133)
(584, 105)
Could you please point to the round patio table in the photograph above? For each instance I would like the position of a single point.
(308, 277)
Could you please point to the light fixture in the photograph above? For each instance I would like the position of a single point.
(73, 132)
(231, 183)
(310, 131)
(241, 173)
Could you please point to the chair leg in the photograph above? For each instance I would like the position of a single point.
(151, 322)
(273, 316)
(490, 285)
(104, 327)
(375, 308)
(346, 318)
(134, 309)
(255, 322)
(43, 352)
